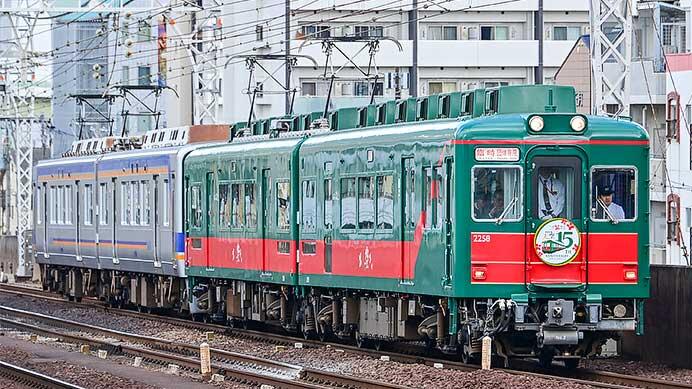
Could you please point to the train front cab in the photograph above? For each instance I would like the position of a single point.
(558, 242)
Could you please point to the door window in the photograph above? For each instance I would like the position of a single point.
(496, 194)
(283, 205)
(613, 194)
(557, 187)
(196, 206)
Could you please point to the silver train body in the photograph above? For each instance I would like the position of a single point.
(111, 225)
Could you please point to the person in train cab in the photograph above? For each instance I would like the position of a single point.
(480, 206)
(605, 200)
(498, 205)
(551, 194)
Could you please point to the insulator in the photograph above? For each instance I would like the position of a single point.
(129, 42)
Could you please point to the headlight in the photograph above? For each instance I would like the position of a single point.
(536, 123)
(577, 123)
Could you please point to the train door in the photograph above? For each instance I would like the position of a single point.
(266, 196)
(156, 222)
(77, 221)
(328, 224)
(114, 241)
(44, 216)
(208, 206)
(408, 222)
(448, 215)
(556, 224)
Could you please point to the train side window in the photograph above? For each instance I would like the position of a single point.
(88, 205)
(53, 201)
(136, 205)
(613, 194)
(103, 206)
(67, 209)
(283, 205)
(348, 203)
(224, 206)
(38, 204)
(366, 203)
(496, 194)
(328, 203)
(237, 206)
(124, 203)
(427, 196)
(146, 207)
(164, 205)
(437, 197)
(385, 202)
(309, 206)
(250, 206)
(196, 205)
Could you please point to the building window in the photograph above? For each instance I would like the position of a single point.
(315, 32)
(143, 31)
(564, 33)
(369, 31)
(437, 87)
(439, 33)
(363, 88)
(494, 84)
(673, 218)
(308, 89)
(125, 75)
(494, 33)
(259, 32)
(144, 75)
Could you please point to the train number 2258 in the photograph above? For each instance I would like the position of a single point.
(480, 238)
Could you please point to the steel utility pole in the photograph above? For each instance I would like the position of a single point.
(287, 50)
(612, 50)
(538, 35)
(413, 35)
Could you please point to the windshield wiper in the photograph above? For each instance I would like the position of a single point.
(606, 211)
(506, 211)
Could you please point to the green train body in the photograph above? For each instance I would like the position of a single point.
(441, 219)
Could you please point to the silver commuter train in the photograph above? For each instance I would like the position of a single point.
(110, 224)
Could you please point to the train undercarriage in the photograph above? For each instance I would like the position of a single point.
(545, 329)
(145, 292)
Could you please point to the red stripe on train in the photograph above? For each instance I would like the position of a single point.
(499, 258)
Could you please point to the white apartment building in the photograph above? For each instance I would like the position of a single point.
(461, 45)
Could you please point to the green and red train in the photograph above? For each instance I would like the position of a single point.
(513, 217)
(440, 219)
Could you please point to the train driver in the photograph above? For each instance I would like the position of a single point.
(551, 194)
(605, 199)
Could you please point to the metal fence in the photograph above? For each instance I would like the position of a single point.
(667, 320)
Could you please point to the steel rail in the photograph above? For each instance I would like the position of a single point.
(32, 378)
(591, 377)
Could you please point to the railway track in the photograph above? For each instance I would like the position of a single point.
(412, 355)
(32, 378)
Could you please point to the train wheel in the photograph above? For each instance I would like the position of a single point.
(571, 364)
